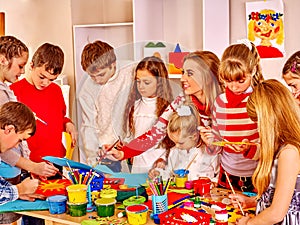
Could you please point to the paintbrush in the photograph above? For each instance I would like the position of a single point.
(59, 173)
(190, 163)
(238, 202)
(105, 154)
(222, 143)
(39, 119)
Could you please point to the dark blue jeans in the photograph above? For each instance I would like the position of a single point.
(28, 220)
(115, 166)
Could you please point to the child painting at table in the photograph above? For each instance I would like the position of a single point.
(102, 99)
(240, 71)
(277, 176)
(17, 123)
(187, 153)
(149, 96)
(46, 100)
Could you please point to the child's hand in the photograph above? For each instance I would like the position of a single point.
(159, 163)
(245, 201)
(153, 173)
(31, 197)
(28, 186)
(119, 145)
(44, 169)
(112, 154)
(239, 148)
(206, 135)
(70, 128)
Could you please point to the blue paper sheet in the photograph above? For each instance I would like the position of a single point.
(21, 205)
(131, 179)
(65, 161)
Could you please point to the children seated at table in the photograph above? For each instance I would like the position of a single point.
(187, 153)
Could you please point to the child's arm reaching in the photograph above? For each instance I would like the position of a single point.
(153, 136)
(13, 192)
(71, 129)
(243, 200)
(208, 138)
(288, 170)
(42, 169)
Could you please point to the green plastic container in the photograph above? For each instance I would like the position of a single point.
(77, 209)
(105, 206)
(134, 200)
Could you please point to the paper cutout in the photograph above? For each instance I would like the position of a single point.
(53, 187)
(176, 60)
(131, 179)
(177, 48)
(158, 50)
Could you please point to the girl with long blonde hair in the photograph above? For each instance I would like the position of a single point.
(277, 176)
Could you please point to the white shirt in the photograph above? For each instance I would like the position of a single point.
(144, 118)
(204, 165)
(102, 108)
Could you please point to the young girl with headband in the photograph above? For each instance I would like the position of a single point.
(183, 131)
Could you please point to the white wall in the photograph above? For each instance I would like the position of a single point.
(36, 22)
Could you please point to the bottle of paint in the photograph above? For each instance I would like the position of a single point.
(221, 217)
(221, 214)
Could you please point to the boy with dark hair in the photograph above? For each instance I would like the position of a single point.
(17, 122)
(46, 100)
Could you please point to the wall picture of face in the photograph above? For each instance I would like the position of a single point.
(265, 22)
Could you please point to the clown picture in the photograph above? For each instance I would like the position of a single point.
(266, 30)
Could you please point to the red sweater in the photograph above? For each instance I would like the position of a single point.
(49, 106)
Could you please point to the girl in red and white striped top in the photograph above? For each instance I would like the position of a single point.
(240, 71)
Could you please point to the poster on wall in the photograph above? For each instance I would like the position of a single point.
(265, 27)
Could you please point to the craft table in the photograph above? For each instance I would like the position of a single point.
(63, 219)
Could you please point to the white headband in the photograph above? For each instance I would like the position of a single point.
(184, 111)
